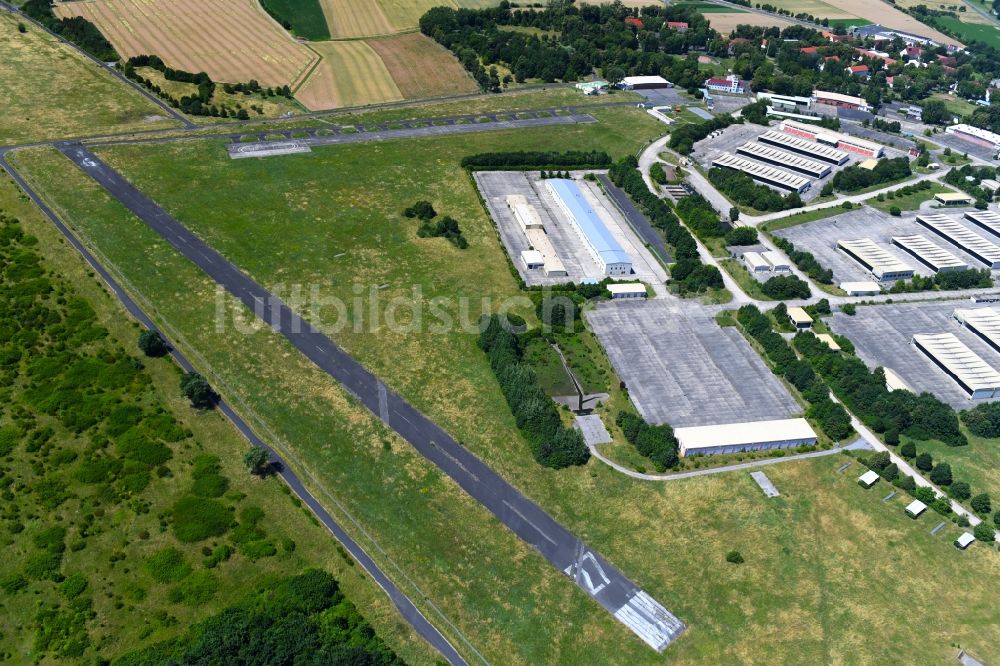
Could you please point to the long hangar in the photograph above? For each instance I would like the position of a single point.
(606, 251)
(741, 437)
(769, 175)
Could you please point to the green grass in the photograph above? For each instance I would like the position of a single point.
(826, 556)
(976, 464)
(967, 32)
(849, 22)
(305, 17)
(747, 283)
(909, 201)
(801, 218)
(544, 360)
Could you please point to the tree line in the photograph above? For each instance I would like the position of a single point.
(806, 262)
(683, 138)
(572, 159)
(552, 444)
(742, 189)
(654, 442)
(855, 178)
(77, 30)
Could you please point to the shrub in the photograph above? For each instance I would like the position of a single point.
(908, 450)
(742, 236)
(210, 485)
(925, 462)
(255, 550)
(890, 473)
(962, 521)
(984, 532)
(983, 420)
(196, 389)
(135, 445)
(734, 557)
(654, 442)
(960, 490)
(981, 503)
(908, 484)
(198, 588)
(941, 474)
(73, 586)
(151, 344)
(892, 437)
(196, 519)
(784, 287)
(895, 211)
(12, 582)
(168, 566)
(422, 210)
(879, 461)
(925, 494)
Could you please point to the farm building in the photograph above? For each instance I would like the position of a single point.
(778, 262)
(915, 508)
(861, 288)
(756, 263)
(984, 322)
(803, 147)
(731, 84)
(739, 437)
(629, 290)
(956, 234)
(930, 255)
(828, 340)
(975, 135)
(836, 139)
(532, 259)
(606, 251)
(784, 159)
(644, 83)
(800, 318)
(964, 540)
(840, 101)
(972, 373)
(954, 199)
(768, 175)
(986, 220)
(868, 479)
(882, 265)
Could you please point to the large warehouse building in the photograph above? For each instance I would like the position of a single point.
(972, 373)
(961, 237)
(882, 265)
(603, 247)
(930, 255)
(784, 159)
(769, 175)
(986, 220)
(810, 149)
(541, 253)
(741, 437)
(836, 139)
(984, 322)
(975, 135)
(840, 101)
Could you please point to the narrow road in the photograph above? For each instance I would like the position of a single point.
(639, 223)
(600, 579)
(403, 604)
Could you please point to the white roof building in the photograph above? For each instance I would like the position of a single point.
(627, 290)
(893, 382)
(784, 159)
(800, 318)
(769, 175)
(756, 263)
(975, 134)
(861, 288)
(876, 261)
(984, 322)
(964, 540)
(976, 377)
(933, 256)
(532, 259)
(915, 508)
(739, 437)
(989, 185)
(868, 479)
(803, 146)
(987, 220)
(777, 261)
(957, 234)
(630, 82)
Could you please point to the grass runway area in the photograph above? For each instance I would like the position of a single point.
(828, 565)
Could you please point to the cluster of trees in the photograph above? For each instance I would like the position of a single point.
(683, 138)
(968, 179)
(742, 236)
(446, 227)
(742, 189)
(983, 420)
(785, 287)
(854, 178)
(756, 112)
(919, 417)
(77, 30)
(654, 442)
(688, 273)
(884, 125)
(830, 416)
(571, 159)
(806, 262)
(700, 217)
(970, 278)
(552, 444)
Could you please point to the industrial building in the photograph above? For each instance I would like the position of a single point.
(840, 101)
(954, 199)
(836, 139)
(777, 261)
(603, 247)
(768, 175)
(592, 87)
(784, 159)
(800, 319)
(990, 185)
(956, 234)
(861, 288)
(741, 437)
(532, 259)
(803, 147)
(930, 255)
(540, 254)
(882, 265)
(756, 263)
(627, 290)
(524, 213)
(972, 373)
(964, 540)
(975, 135)
(644, 83)
(868, 479)
(986, 220)
(984, 322)
(915, 508)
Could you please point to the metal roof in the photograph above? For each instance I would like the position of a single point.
(838, 97)
(985, 219)
(859, 287)
(783, 158)
(915, 508)
(951, 197)
(803, 146)
(756, 260)
(957, 234)
(984, 322)
(799, 315)
(959, 361)
(775, 259)
(627, 288)
(835, 136)
(985, 135)
(773, 175)
(935, 257)
(874, 258)
(828, 340)
(639, 80)
(588, 222)
(743, 434)
(964, 539)
(869, 477)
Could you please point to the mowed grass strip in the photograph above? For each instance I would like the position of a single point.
(49, 90)
(232, 40)
(351, 73)
(350, 19)
(421, 67)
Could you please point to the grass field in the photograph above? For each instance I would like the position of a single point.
(82, 99)
(233, 41)
(827, 565)
(710, 8)
(987, 33)
(112, 538)
(350, 73)
(305, 17)
(421, 67)
(975, 464)
(265, 107)
(355, 18)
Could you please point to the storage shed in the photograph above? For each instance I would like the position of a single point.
(868, 479)
(532, 259)
(964, 540)
(755, 263)
(800, 318)
(915, 508)
(629, 290)
(954, 199)
(739, 437)
(861, 288)
(778, 262)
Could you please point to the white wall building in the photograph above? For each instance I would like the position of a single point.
(740, 437)
(627, 290)
(603, 247)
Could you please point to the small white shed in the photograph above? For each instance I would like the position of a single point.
(532, 259)
(964, 540)
(868, 479)
(915, 508)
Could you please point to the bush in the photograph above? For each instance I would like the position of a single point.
(984, 532)
(960, 490)
(742, 236)
(168, 566)
(654, 442)
(196, 519)
(152, 344)
(196, 389)
(895, 211)
(908, 484)
(879, 461)
(734, 557)
(983, 420)
(785, 287)
(908, 450)
(981, 504)
(941, 474)
(892, 437)
(890, 473)
(925, 462)
(422, 210)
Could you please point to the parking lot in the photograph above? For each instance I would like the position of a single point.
(820, 238)
(961, 146)
(881, 334)
(683, 369)
(495, 186)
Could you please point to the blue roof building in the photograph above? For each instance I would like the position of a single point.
(606, 251)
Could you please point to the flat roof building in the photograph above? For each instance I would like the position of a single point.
(532, 259)
(861, 288)
(777, 262)
(784, 159)
(915, 508)
(629, 290)
(881, 264)
(800, 318)
(975, 135)
(964, 540)
(539, 242)
(868, 479)
(524, 213)
(755, 263)
(644, 82)
(930, 255)
(809, 148)
(954, 199)
(839, 100)
(983, 322)
(829, 137)
(958, 235)
(972, 373)
(740, 437)
(893, 382)
(828, 340)
(603, 247)
(769, 175)
(989, 185)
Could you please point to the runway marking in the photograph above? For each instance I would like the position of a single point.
(525, 519)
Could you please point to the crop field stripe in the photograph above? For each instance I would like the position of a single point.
(351, 18)
(405, 14)
(350, 74)
(440, 73)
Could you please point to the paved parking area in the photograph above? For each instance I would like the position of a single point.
(683, 369)
(881, 334)
(592, 428)
(962, 146)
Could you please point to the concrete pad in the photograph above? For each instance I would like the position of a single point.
(765, 484)
(593, 430)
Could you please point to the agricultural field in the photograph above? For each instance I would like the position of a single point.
(726, 22)
(232, 41)
(350, 73)
(421, 67)
(304, 18)
(967, 30)
(82, 99)
(119, 497)
(828, 556)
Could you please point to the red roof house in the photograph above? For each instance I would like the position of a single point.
(858, 70)
(633, 21)
(809, 49)
(679, 26)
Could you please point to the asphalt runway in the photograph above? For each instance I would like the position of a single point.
(602, 581)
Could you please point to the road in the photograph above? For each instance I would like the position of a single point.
(403, 604)
(564, 550)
